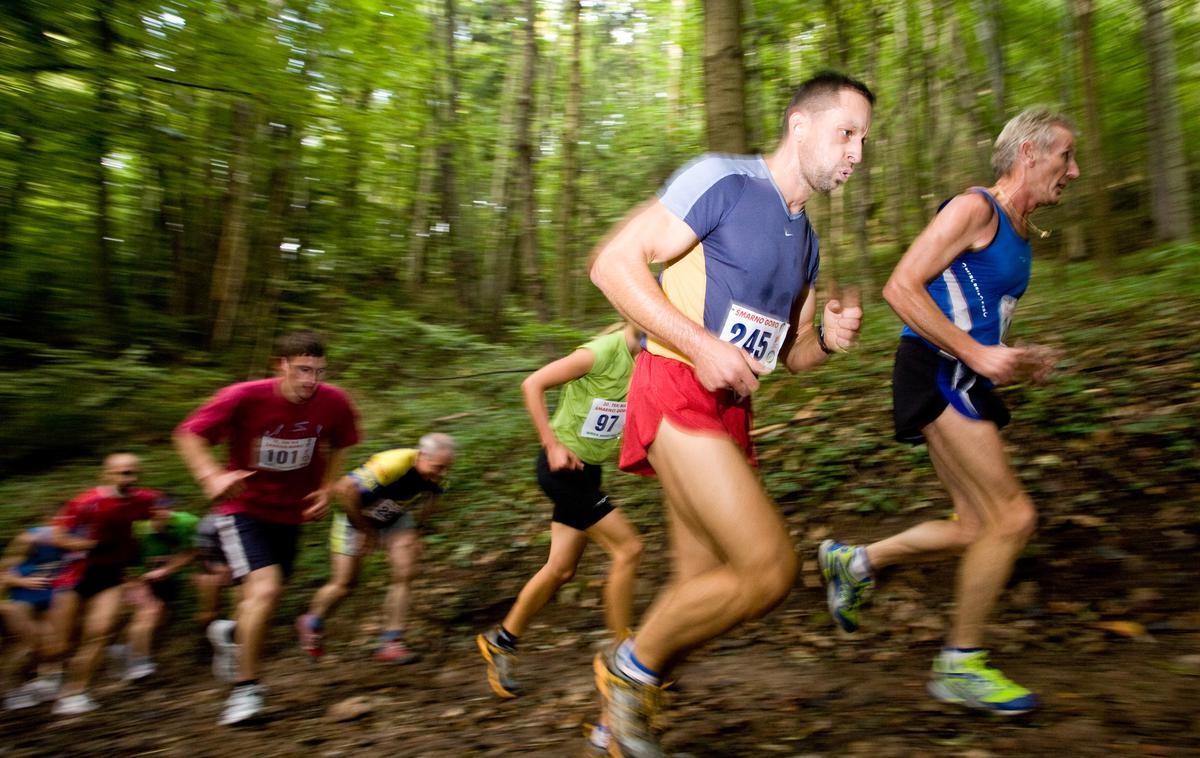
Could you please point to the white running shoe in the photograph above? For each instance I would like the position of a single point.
(140, 670)
(244, 703)
(225, 650)
(74, 705)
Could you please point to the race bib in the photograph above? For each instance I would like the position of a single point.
(759, 335)
(1008, 304)
(604, 421)
(275, 454)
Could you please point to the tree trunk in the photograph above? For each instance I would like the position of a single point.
(461, 259)
(568, 258)
(1100, 227)
(1168, 159)
(108, 296)
(526, 202)
(229, 272)
(990, 30)
(675, 66)
(724, 77)
(418, 230)
(865, 205)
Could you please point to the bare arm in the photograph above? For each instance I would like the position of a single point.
(319, 499)
(620, 268)
(173, 564)
(534, 389)
(968, 222)
(216, 481)
(347, 494)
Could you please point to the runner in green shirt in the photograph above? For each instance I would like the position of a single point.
(584, 432)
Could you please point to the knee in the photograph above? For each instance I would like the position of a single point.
(1017, 519)
(767, 583)
(628, 553)
(264, 593)
(560, 573)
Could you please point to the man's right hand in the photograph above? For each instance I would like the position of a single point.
(224, 484)
(560, 457)
(724, 365)
(998, 363)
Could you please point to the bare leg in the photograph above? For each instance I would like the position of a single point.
(719, 507)
(208, 593)
(404, 553)
(100, 616)
(20, 663)
(146, 618)
(261, 589)
(972, 455)
(343, 579)
(566, 547)
(620, 540)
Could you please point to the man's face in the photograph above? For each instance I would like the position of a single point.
(301, 376)
(1054, 168)
(122, 471)
(433, 466)
(833, 141)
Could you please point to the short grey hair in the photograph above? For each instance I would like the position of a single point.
(436, 442)
(1034, 125)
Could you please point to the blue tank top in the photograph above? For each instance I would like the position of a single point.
(43, 560)
(980, 289)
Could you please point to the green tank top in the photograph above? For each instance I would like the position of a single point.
(591, 409)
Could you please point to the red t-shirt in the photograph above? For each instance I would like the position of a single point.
(106, 517)
(285, 444)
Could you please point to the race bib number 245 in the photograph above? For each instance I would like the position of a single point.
(756, 333)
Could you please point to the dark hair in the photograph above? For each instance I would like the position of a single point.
(295, 344)
(822, 87)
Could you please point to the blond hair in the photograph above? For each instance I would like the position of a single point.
(1033, 125)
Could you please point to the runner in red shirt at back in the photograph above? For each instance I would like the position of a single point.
(97, 527)
(287, 438)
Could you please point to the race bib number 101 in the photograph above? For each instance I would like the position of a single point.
(276, 454)
(757, 334)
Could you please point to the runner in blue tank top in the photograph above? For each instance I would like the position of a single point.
(956, 289)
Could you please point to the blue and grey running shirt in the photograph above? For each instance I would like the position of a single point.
(754, 260)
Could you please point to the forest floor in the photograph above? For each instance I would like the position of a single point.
(1103, 622)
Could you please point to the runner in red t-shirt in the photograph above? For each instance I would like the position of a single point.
(287, 438)
(97, 524)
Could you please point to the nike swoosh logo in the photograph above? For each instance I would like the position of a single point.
(786, 233)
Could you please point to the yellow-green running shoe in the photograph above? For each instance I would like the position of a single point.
(845, 594)
(973, 683)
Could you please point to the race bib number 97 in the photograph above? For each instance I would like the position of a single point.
(276, 454)
(605, 420)
(757, 334)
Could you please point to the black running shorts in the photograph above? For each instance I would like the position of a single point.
(578, 501)
(922, 388)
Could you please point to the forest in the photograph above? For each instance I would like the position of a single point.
(422, 181)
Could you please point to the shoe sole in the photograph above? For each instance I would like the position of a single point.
(493, 680)
(943, 695)
(227, 721)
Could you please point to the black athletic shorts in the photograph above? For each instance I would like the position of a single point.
(578, 501)
(97, 579)
(166, 590)
(208, 542)
(924, 382)
(249, 544)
